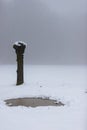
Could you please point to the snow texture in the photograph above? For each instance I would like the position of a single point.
(63, 83)
(18, 43)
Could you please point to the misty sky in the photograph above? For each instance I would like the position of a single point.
(55, 30)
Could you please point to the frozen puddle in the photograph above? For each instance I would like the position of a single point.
(33, 102)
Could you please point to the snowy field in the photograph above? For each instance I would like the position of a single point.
(64, 83)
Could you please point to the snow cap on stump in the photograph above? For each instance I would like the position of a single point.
(19, 43)
(19, 46)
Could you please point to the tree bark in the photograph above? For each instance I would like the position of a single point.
(20, 69)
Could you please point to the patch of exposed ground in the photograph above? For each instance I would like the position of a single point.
(33, 102)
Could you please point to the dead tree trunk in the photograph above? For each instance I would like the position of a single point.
(19, 48)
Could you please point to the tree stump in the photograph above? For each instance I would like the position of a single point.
(19, 49)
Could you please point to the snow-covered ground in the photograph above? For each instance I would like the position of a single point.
(63, 83)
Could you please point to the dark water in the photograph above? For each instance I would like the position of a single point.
(33, 102)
